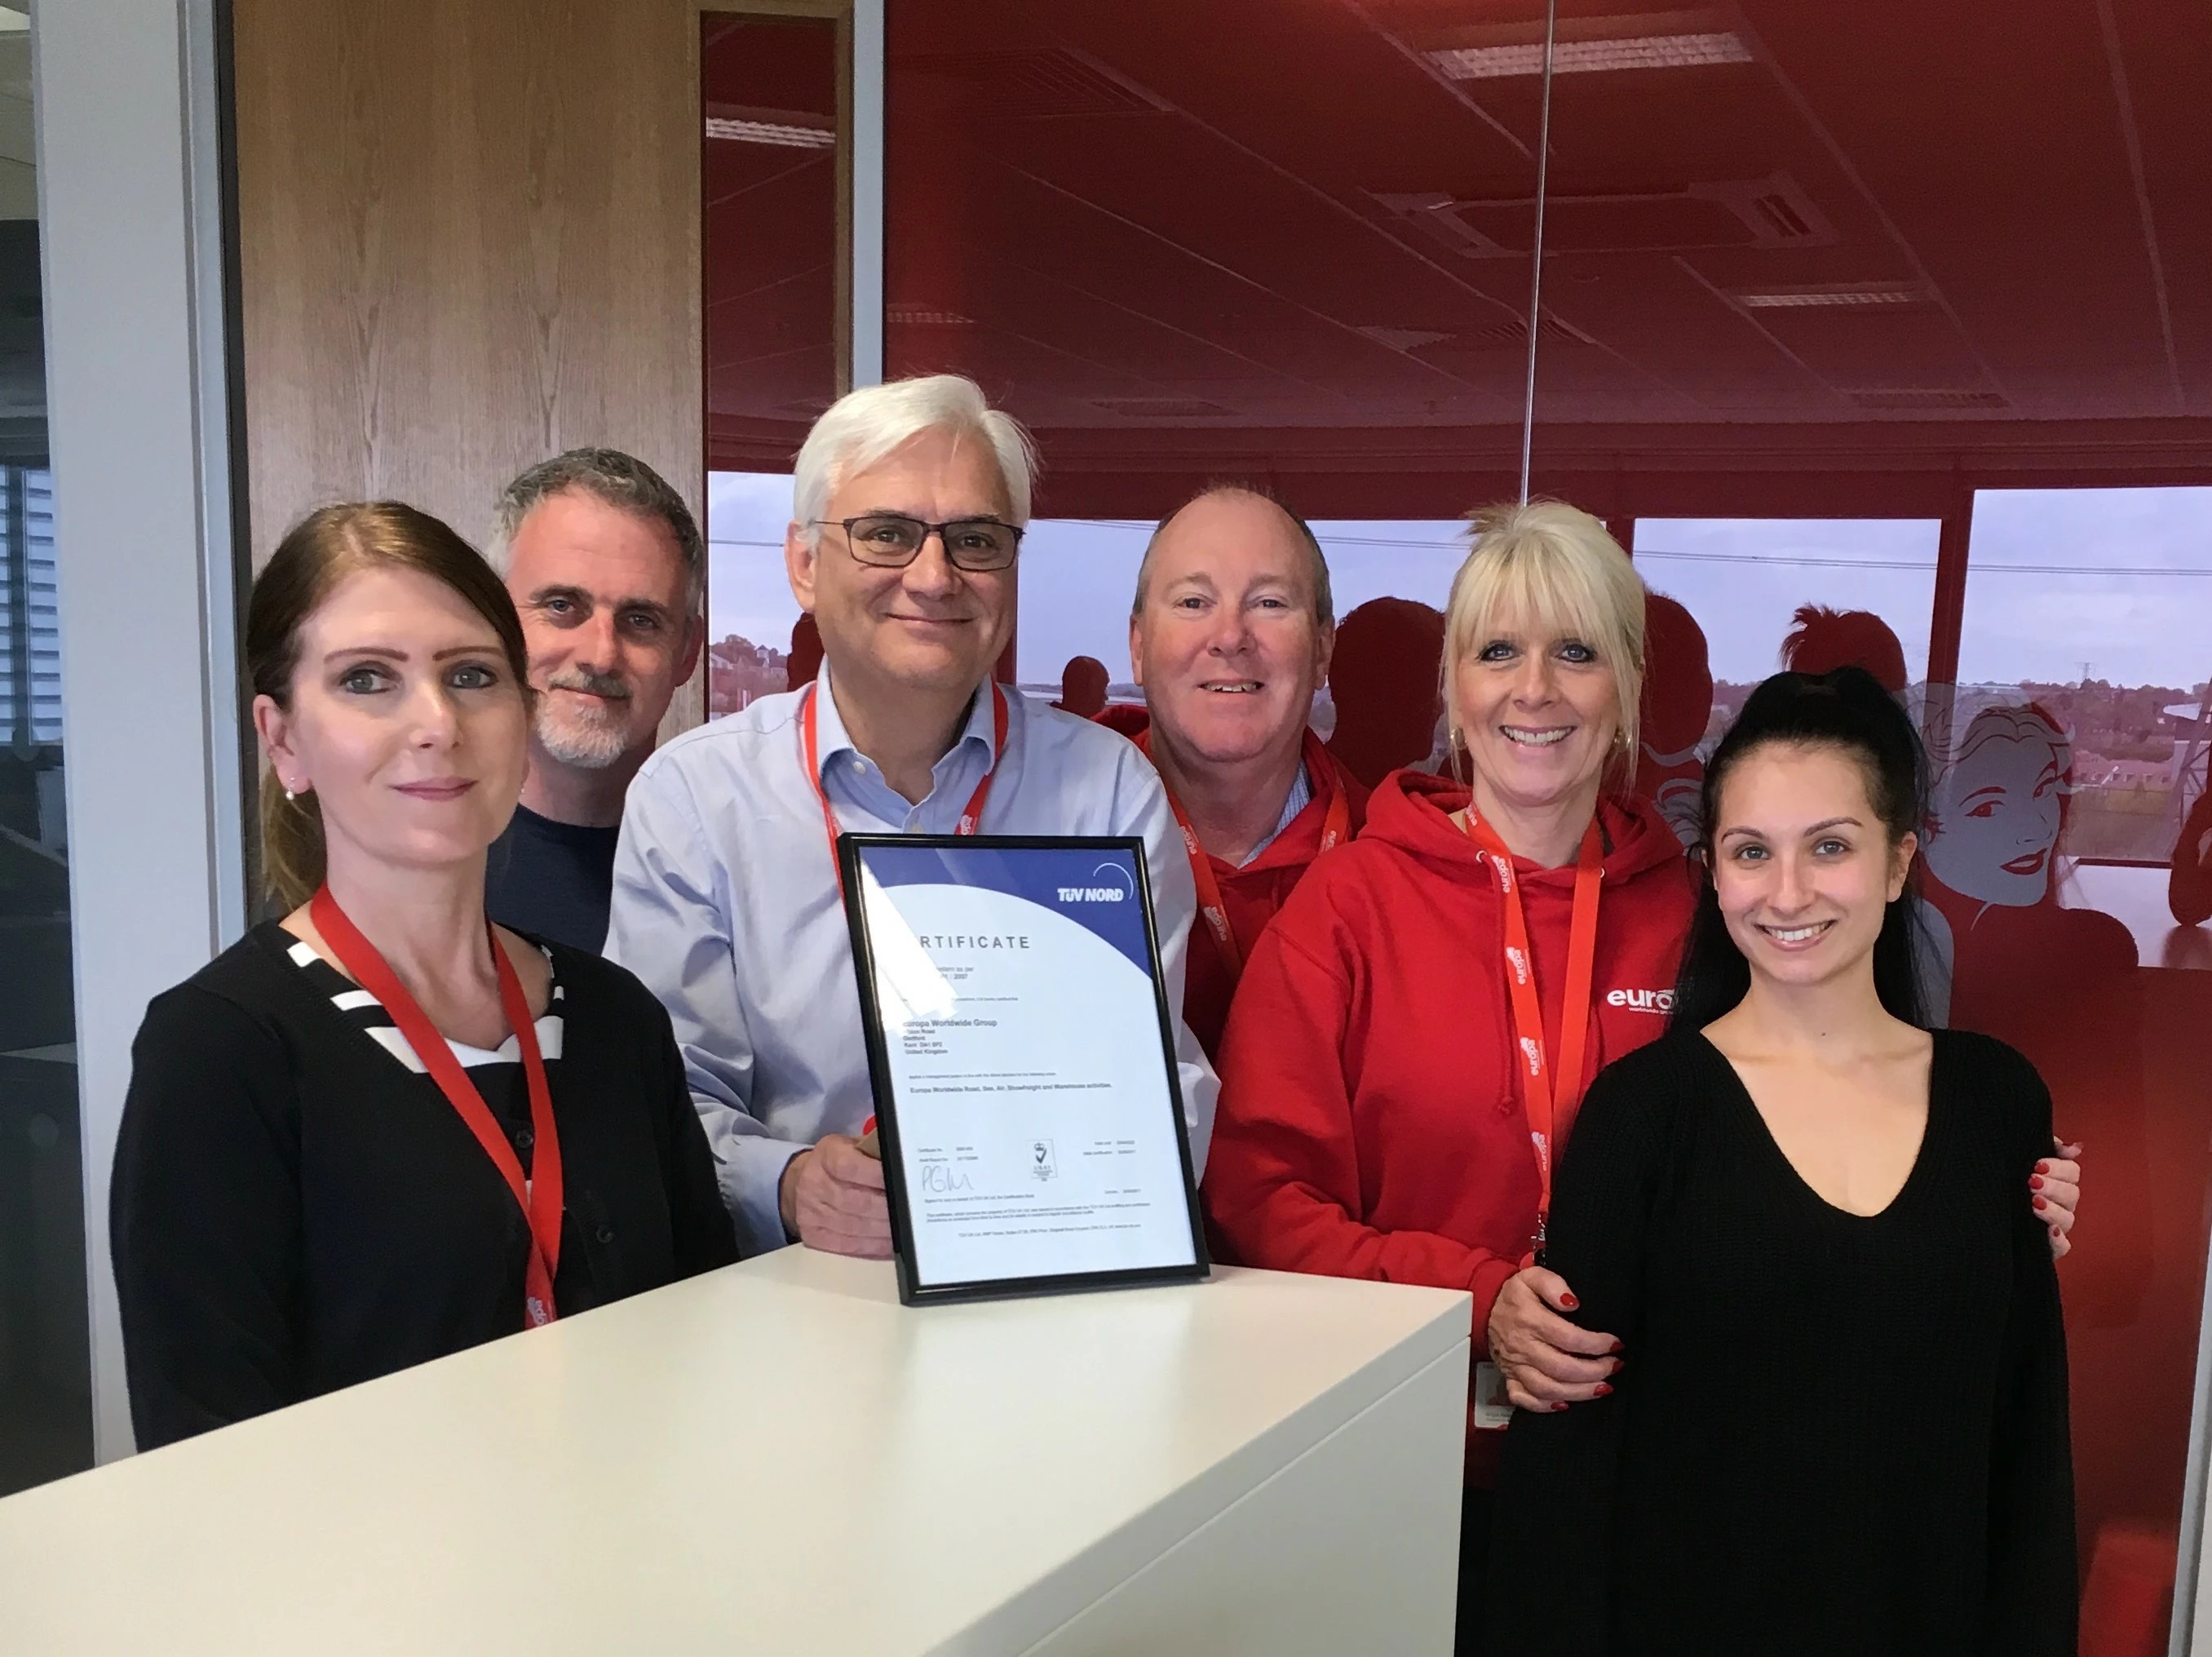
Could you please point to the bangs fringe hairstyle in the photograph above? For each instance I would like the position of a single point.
(1552, 568)
(316, 554)
(1846, 712)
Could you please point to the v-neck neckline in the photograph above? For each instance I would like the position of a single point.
(1921, 1156)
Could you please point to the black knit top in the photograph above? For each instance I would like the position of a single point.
(297, 1207)
(1831, 1432)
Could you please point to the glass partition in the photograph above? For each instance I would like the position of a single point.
(775, 330)
(45, 1403)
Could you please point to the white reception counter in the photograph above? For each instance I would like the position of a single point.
(778, 1458)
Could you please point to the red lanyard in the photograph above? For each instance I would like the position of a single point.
(1336, 828)
(538, 1196)
(1547, 1099)
(971, 820)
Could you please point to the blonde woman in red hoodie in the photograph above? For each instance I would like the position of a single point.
(1413, 1033)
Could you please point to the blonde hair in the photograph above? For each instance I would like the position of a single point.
(1552, 568)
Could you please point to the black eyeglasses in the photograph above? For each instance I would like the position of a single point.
(891, 541)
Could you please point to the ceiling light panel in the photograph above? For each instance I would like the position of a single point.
(1590, 56)
(1842, 295)
(779, 134)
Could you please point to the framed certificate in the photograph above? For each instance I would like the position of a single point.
(1022, 1052)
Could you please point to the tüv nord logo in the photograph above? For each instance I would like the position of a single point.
(1109, 886)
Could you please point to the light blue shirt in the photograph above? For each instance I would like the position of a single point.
(726, 903)
(1301, 797)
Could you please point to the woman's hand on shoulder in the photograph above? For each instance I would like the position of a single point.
(2055, 1188)
(1548, 1363)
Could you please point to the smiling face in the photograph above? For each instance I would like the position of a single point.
(602, 595)
(1539, 711)
(1227, 646)
(1997, 811)
(1803, 868)
(930, 628)
(405, 720)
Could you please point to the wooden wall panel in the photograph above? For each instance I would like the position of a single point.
(469, 238)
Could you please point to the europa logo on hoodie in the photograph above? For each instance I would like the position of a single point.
(1642, 1001)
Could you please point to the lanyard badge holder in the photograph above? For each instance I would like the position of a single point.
(1336, 829)
(539, 1194)
(971, 818)
(1548, 1093)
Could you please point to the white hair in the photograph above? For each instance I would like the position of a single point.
(863, 426)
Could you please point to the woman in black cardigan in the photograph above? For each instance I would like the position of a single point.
(382, 1130)
(1840, 1424)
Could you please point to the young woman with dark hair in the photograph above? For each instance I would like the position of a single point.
(382, 1130)
(1841, 1423)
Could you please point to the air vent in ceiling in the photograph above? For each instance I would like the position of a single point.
(1040, 83)
(1405, 339)
(925, 316)
(1926, 397)
(1781, 216)
(1514, 331)
(1769, 212)
(1159, 408)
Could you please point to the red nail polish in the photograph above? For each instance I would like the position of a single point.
(1616, 1346)
(1604, 1390)
(2034, 1183)
(1556, 1408)
(2040, 1203)
(2054, 1230)
(1568, 1302)
(2042, 1167)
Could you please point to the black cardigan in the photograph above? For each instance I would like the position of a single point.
(294, 1209)
(1831, 1432)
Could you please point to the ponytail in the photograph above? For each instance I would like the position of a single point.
(1847, 711)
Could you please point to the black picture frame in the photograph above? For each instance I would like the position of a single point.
(851, 849)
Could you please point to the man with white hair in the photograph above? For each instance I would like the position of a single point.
(910, 503)
(604, 561)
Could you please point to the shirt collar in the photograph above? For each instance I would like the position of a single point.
(1300, 796)
(832, 739)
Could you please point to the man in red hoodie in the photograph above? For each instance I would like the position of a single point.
(1229, 637)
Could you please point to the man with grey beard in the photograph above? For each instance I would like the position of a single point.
(605, 562)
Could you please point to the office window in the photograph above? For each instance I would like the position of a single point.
(775, 247)
(1390, 582)
(46, 1404)
(752, 620)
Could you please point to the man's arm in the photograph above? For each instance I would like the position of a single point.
(670, 924)
(1142, 808)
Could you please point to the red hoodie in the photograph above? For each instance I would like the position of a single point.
(1370, 1122)
(1252, 893)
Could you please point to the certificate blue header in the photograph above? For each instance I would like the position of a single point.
(1097, 887)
